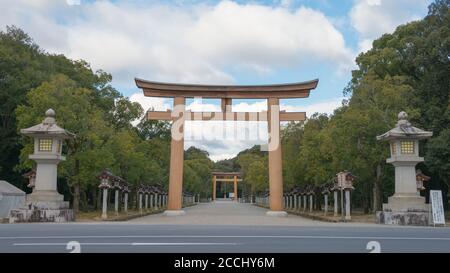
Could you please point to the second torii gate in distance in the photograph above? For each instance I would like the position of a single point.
(273, 94)
(234, 177)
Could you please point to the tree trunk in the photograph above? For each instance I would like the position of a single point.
(76, 198)
(83, 200)
(94, 198)
(76, 190)
(376, 189)
(99, 198)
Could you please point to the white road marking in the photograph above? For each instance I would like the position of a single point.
(230, 236)
(178, 244)
(130, 244)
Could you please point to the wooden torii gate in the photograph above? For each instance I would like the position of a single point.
(224, 177)
(179, 93)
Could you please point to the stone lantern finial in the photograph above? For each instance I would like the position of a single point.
(402, 115)
(49, 117)
(403, 120)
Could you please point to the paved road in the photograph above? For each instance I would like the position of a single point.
(200, 231)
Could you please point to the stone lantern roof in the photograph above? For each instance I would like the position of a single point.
(404, 130)
(48, 127)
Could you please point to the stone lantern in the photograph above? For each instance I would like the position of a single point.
(420, 178)
(345, 183)
(335, 189)
(105, 178)
(325, 189)
(45, 204)
(117, 181)
(405, 207)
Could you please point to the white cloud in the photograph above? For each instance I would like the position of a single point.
(326, 107)
(373, 18)
(181, 43)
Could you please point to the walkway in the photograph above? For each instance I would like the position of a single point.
(226, 213)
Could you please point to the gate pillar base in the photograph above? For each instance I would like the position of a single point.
(174, 212)
(273, 213)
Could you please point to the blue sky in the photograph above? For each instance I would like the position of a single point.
(216, 42)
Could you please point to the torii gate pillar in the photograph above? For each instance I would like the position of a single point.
(174, 206)
(275, 159)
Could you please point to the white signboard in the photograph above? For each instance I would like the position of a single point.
(437, 207)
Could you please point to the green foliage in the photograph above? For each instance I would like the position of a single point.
(253, 166)
(407, 70)
(257, 176)
(438, 154)
(197, 171)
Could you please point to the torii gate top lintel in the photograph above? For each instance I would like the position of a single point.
(286, 90)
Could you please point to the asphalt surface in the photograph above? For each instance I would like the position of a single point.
(151, 235)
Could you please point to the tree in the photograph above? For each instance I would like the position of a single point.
(257, 176)
(24, 66)
(438, 156)
(76, 113)
(197, 171)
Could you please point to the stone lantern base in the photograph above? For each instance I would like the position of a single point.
(404, 210)
(43, 206)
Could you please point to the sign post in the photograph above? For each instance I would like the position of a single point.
(437, 207)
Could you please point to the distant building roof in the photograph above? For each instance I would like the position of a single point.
(8, 189)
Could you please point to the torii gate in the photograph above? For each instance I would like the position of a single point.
(222, 177)
(273, 94)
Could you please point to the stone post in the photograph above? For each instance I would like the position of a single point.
(295, 202)
(299, 202)
(304, 202)
(335, 200)
(125, 202)
(156, 201)
(325, 196)
(347, 205)
(140, 202)
(311, 203)
(146, 201)
(151, 201)
(105, 204)
(116, 202)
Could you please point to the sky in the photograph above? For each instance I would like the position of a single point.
(216, 42)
